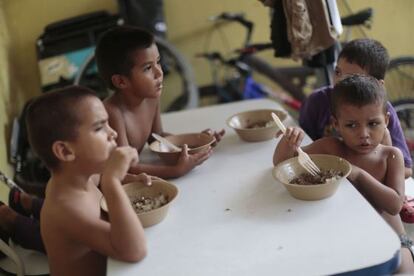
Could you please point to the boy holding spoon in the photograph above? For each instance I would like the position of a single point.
(359, 109)
(129, 62)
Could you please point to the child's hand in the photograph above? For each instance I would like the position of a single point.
(142, 177)
(119, 162)
(187, 162)
(294, 137)
(288, 145)
(218, 135)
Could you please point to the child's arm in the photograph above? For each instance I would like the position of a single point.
(395, 178)
(388, 197)
(126, 235)
(185, 163)
(287, 146)
(122, 237)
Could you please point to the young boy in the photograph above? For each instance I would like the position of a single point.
(129, 62)
(360, 56)
(360, 116)
(68, 129)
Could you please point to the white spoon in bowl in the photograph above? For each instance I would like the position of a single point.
(165, 142)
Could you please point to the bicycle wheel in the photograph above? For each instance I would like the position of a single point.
(405, 112)
(399, 79)
(179, 92)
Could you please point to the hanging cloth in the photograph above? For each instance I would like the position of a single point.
(279, 37)
(310, 28)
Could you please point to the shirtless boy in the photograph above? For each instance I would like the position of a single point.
(68, 129)
(359, 109)
(129, 62)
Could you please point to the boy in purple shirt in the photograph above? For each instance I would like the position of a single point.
(366, 57)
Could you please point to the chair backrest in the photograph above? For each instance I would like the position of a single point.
(22, 261)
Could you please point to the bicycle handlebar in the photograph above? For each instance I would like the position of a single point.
(241, 66)
(253, 48)
(239, 18)
(362, 17)
(211, 56)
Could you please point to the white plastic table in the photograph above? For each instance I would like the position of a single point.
(232, 218)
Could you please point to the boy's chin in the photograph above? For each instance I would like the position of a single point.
(157, 94)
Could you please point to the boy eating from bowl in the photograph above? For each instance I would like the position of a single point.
(360, 116)
(129, 63)
(360, 56)
(68, 129)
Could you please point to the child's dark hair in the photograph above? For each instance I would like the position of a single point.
(358, 90)
(369, 54)
(52, 117)
(115, 49)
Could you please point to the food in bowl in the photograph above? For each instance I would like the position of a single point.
(325, 176)
(160, 193)
(143, 204)
(262, 124)
(256, 125)
(286, 171)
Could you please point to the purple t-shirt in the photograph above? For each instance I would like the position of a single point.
(315, 114)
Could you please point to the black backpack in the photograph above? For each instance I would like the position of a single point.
(30, 172)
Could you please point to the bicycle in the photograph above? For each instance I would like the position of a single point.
(292, 79)
(241, 84)
(399, 78)
(297, 81)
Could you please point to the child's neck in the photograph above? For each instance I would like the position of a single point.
(350, 153)
(71, 180)
(129, 99)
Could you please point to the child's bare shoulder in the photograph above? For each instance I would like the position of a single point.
(392, 153)
(114, 111)
(111, 106)
(327, 145)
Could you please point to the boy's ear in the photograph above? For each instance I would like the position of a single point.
(119, 81)
(387, 118)
(63, 151)
(334, 122)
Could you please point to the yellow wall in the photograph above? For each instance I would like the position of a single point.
(4, 96)
(22, 21)
(392, 23)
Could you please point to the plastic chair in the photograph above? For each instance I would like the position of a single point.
(20, 261)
